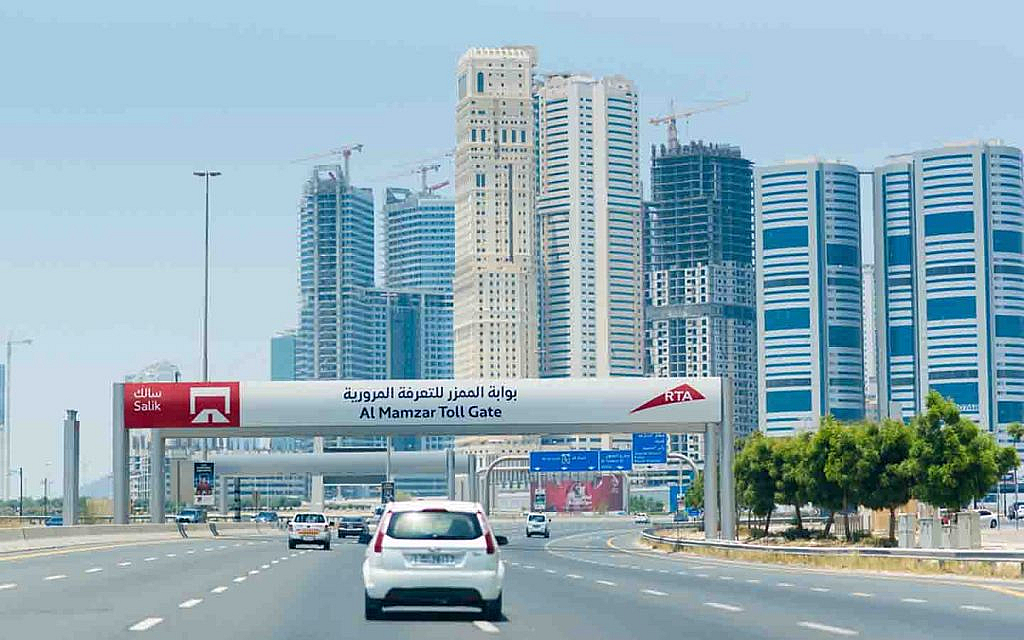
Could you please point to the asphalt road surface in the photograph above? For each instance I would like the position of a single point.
(590, 580)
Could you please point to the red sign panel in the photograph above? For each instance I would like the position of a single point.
(682, 393)
(181, 405)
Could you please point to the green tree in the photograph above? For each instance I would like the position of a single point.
(754, 482)
(822, 491)
(891, 479)
(849, 464)
(695, 494)
(788, 472)
(953, 461)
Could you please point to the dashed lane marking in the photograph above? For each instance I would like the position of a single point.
(682, 573)
(913, 600)
(573, 576)
(9, 585)
(861, 594)
(191, 551)
(550, 571)
(253, 572)
(144, 625)
(606, 583)
(94, 570)
(753, 581)
(486, 627)
(783, 584)
(239, 579)
(827, 628)
(172, 555)
(529, 566)
(820, 589)
(724, 607)
(652, 592)
(726, 578)
(702, 575)
(264, 566)
(974, 607)
(149, 559)
(218, 590)
(59, 576)
(188, 604)
(126, 563)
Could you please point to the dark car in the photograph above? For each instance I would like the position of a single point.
(266, 516)
(190, 516)
(351, 526)
(54, 521)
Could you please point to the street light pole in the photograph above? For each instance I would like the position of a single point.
(206, 175)
(5, 458)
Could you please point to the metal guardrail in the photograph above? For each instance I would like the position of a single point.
(991, 555)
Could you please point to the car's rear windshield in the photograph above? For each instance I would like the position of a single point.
(267, 514)
(352, 520)
(536, 518)
(434, 525)
(309, 517)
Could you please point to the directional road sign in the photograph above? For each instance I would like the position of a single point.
(616, 460)
(551, 461)
(650, 448)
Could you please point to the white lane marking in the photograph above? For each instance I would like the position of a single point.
(59, 576)
(783, 584)
(633, 566)
(726, 578)
(172, 555)
(253, 572)
(126, 563)
(574, 576)
(284, 557)
(913, 600)
(974, 607)
(208, 549)
(188, 604)
(817, 626)
(702, 575)
(238, 544)
(529, 566)
(861, 594)
(753, 581)
(218, 590)
(550, 571)
(149, 559)
(724, 607)
(486, 627)
(9, 585)
(191, 551)
(514, 564)
(682, 573)
(274, 561)
(264, 566)
(703, 566)
(250, 543)
(662, 570)
(94, 570)
(648, 570)
(820, 589)
(239, 579)
(143, 625)
(652, 592)
(606, 583)
(223, 546)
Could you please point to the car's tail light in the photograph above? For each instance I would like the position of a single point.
(378, 543)
(489, 538)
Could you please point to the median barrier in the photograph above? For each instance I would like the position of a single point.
(240, 528)
(975, 562)
(38, 538)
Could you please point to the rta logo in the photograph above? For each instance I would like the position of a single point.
(682, 393)
(208, 415)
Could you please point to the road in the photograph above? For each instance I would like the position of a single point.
(590, 580)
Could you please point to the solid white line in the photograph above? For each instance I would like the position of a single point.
(94, 570)
(974, 607)
(188, 604)
(485, 626)
(724, 607)
(606, 583)
(59, 576)
(9, 585)
(218, 590)
(817, 626)
(239, 579)
(913, 600)
(861, 594)
(820, 589)
(149, 559)
(573, 576)
(754, 581)
(124, 564)
(783, 584)
(652, 592)
(148, 623)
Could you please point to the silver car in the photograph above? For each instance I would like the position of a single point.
(309, 528)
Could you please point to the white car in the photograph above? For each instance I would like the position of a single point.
(537, 525)
(988, 519)
(434, 553)
(641, 518)
(309, 528)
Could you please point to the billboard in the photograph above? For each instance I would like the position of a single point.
(513, 405)
(599, 495)
(202, 483)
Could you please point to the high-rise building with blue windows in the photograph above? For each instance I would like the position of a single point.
(949, 276)
(809, 315)
(282, 356)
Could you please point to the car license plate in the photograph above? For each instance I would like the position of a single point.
(434, 559)
(307, 538)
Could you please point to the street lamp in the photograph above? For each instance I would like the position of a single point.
(206, 175)
(5, 458)
(46, 487)
(21, 490)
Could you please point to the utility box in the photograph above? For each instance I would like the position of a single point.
(966, 532)
(906, 528)
(931, 533)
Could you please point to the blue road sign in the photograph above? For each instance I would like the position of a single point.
(553, 461)
(650, 448)
(616, 460)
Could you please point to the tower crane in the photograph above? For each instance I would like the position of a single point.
(673, 134)
(344, 151)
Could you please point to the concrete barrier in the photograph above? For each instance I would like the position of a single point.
(975, 562)
(38, 538)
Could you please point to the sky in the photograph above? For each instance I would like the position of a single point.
(107, 108)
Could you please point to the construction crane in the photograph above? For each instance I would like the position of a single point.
(343, 151)
(673, 134)
(434, 187)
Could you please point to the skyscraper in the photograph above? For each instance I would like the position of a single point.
(949, 259)
(589, 210)
(870, 342)
(495, 286)
(809, 318)
(282, 356)
(340, 335)
(699, 269)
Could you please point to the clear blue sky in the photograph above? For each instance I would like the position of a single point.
(106, 108)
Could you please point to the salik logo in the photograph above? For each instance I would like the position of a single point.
(215, 415)
(682, 393)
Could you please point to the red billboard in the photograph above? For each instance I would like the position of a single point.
(600, 495)
(170, 405)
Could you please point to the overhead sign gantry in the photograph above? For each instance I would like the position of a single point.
(433, 407)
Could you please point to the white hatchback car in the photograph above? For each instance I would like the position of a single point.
(537, 525)
(434, 553)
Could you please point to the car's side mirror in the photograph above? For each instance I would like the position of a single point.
(501, 540)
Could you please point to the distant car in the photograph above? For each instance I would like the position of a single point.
(537, 525)
(988, 518)
(1019, 512)
(266, 516)
(309, 528)
(190, 516)
(641, 518)
(351, 526)
(54, 521)
(1011, 510)
(434, 553)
